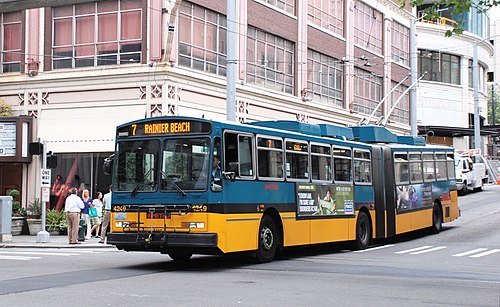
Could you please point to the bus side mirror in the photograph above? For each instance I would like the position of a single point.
(107, 167)
(233, 171)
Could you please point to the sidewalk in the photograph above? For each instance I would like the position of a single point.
(56, 241)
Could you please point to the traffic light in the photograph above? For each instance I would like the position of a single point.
(51, 160)
(35, 148)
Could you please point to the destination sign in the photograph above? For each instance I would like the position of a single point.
(164, 127)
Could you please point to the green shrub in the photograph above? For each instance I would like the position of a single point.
(56, 220)
(35, 208)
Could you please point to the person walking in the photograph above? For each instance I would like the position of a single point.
(107, 214)
(72, 206)
(96, 220)
(87, 201)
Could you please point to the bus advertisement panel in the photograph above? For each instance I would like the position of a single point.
(324, 200)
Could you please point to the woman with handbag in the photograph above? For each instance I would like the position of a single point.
(87, 201)
(96, 214)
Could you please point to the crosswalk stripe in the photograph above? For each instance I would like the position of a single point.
(477, 250)
(413, 249)
(428, 250)
(374, 248)
(485, 253)
(38, 253)
(24, 258)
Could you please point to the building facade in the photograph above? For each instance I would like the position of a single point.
(445, 108)
(82, 68)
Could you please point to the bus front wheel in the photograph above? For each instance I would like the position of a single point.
(363, 232)
(269, 241)
(178, 255)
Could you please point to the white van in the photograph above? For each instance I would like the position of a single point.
(470, 176)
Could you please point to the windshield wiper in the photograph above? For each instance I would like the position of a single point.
(141, 185)
(172, 181)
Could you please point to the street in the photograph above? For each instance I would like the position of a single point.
(458, 267)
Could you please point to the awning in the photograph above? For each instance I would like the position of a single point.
(451, 131)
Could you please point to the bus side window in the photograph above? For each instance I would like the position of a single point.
(238, 154)
(362, 166)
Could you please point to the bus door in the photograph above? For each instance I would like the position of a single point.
(381, 160)
(388, 186)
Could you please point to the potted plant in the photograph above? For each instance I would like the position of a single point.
(56, 222)
(18, 213)
(34, 216)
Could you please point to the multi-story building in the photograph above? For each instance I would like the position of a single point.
(81, 68)
(445, 108)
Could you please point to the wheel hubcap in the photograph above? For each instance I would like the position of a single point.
(267, 238)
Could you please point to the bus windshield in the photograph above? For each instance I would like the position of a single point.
(137, 162)
(185, 164)
(179, 165)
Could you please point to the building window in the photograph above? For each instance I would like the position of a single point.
(202, 39)
(400, 44)
(284, 5)
(327, 14)
(97, 33)
(11, 41)
(481, 76)
(324, 78)
(401, 112)
(440, 67)
(269, 61)
(367, 92)
(367, 27)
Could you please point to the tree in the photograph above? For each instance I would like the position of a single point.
(457, 7)
(493, 98)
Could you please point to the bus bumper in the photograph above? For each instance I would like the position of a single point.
(160, 241)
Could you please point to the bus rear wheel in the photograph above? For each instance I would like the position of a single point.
(363, 232)
(269, 241)
(437, 220)
(179, 255)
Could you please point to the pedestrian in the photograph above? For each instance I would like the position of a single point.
(87, 201)
(107, 214)
(96, 220)
(72, 206)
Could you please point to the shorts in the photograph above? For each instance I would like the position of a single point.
(95, 220)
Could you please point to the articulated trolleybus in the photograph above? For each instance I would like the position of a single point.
(185, 185)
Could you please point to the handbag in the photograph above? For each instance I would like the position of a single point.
(92, 212)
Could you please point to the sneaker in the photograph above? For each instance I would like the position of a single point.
(101, 241)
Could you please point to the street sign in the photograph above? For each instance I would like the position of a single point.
(46, 177)
(45, 194)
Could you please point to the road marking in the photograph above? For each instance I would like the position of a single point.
(485, 253)
(24, 258)
(477, 250)
(413, 250)
(428, 250)
(38, 253)
(374, 248)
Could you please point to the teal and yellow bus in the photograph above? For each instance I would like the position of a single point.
(185, 186)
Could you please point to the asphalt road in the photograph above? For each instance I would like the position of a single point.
(458, 267)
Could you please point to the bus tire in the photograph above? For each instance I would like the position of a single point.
(363, 232)
(437, 220)
(179, 255)
(269, 241)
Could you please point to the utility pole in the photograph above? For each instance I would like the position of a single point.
(475, 85)
(231, 61)
(43, 236)
(413, 76)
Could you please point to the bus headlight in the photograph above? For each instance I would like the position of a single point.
(193, 225)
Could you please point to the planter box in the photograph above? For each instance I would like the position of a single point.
(35, 226)
(17, 225)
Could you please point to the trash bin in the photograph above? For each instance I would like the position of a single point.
(82, 229)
